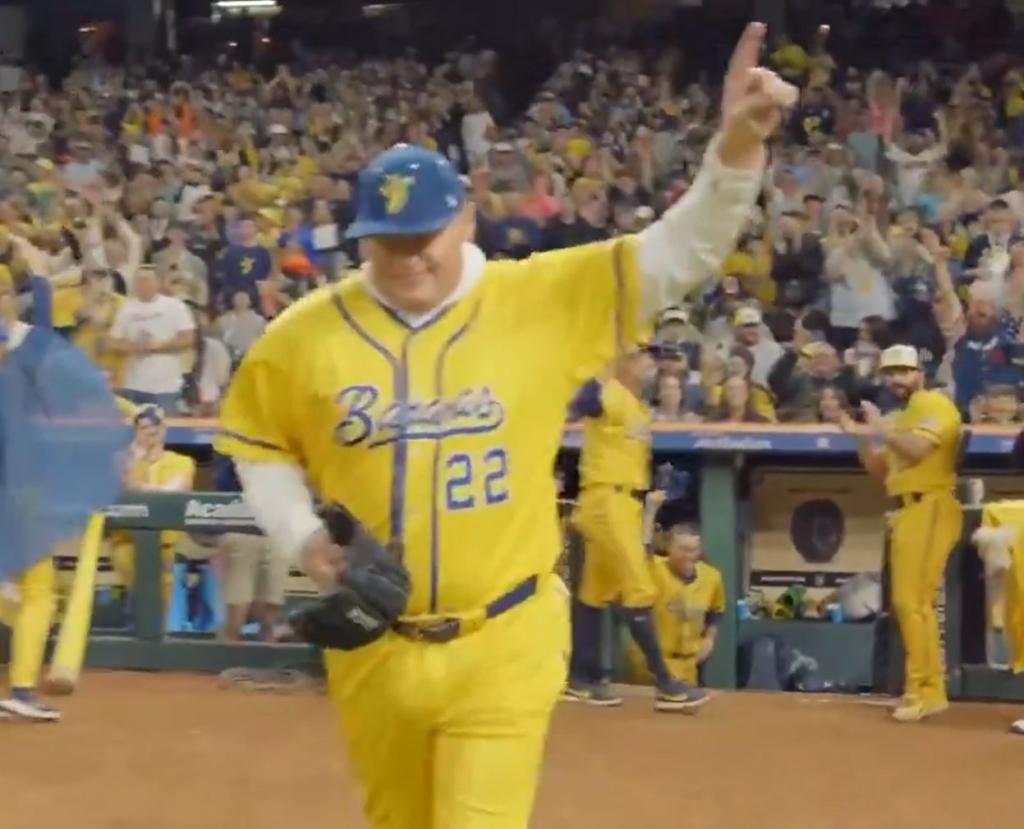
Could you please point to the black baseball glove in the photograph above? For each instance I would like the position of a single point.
(372, 591)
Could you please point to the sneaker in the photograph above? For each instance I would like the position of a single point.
(599, 694)
(915, 711)
(26, 706)
(676, 695)
(1017, 727)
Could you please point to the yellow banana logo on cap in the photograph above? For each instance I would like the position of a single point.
(395, 191)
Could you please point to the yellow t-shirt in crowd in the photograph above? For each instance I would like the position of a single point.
(760, 398)
(93, 338)
(66, 300)
(579, 148)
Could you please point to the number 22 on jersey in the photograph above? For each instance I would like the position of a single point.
(476, 479)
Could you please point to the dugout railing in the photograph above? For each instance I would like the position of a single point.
(145, 644)
(722, 462)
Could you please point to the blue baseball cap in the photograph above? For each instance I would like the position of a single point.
(406, 191)
(149, 415)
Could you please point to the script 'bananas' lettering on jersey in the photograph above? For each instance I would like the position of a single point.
(366, 418)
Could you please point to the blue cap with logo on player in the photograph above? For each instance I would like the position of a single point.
(406, 191)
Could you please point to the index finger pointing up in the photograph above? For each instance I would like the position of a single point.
(747, 54)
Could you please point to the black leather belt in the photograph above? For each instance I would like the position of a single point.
(908, 498)
(439, 631)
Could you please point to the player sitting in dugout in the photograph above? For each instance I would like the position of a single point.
(689, 603)
(151, 468)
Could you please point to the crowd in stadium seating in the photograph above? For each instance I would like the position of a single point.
(176, 220)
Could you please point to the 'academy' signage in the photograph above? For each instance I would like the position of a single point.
(232, 514)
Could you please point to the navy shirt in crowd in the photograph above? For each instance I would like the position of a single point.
(242, 267)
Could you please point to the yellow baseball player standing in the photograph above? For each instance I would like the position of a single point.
(427, 395)
(915, 453)
(615, 473)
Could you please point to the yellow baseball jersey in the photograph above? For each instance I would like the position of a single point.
(684, 609)
(934, 416)
(166, 468)
(441, 437)
(616, 437)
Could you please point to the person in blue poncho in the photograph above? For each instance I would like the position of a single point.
(60, 441)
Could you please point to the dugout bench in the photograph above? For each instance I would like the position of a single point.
(720, 458)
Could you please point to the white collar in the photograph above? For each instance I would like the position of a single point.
(473, 261)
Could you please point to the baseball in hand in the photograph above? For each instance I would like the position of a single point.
(784, 94)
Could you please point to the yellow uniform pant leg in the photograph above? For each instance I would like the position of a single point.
(684, 668)
(386, 708)
(32, 623)
(451, 736)
(122, 557)
(923, 536)
(491, 744)
(615, 560)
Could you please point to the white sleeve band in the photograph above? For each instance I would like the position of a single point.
(686, 246)
(281, 503)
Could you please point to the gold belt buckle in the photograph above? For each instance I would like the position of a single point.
(437, 632)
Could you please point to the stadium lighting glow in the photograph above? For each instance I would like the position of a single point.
(245, 4)
(380, 9)
(242, 8)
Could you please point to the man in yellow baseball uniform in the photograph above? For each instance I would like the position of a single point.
(915, 453)
(688, 606)
(427, 395)
(615, 472)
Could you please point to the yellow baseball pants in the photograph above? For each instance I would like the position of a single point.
(122, 557)
(615, 566)
(923, 535)
(450, 736)
(30, 620)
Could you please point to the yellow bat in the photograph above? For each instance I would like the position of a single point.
(74, 630)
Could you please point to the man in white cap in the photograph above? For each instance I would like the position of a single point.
(915, 454)
(427, 396)
(750, 332)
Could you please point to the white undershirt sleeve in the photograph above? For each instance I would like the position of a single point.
(281, 503)
(686, 246)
